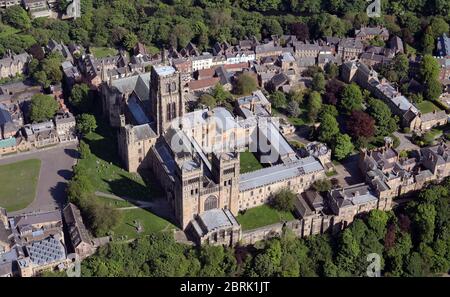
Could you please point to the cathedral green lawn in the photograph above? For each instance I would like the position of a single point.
(262, 216)
(18, 184)
(103, 168)
(248, 162)
(150, 223)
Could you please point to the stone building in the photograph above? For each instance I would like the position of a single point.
(65, 127)
(80, 239)
(369, 33)
(12, 65)
(346, 203)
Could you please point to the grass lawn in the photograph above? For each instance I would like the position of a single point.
(249, 162)
(262, 216)
(427, 106)
(149, 222)
(18, 184)
(431, 135)
(6, 30)
(102, 52)
(103, 168)
(113, 202)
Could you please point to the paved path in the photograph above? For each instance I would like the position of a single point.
(405, 142)
(348, 172)
(56, 170)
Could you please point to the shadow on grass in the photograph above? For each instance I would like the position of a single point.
(103, 143)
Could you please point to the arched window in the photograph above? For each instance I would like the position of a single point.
(210, 203)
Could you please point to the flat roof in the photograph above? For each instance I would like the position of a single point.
(164, 70)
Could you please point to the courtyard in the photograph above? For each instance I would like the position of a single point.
(261, 216)
(248, 162)
(18, 184)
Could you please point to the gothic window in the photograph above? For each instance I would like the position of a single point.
(173, 87)
(167, 87)
(210, 203)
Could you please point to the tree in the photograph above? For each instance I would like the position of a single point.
(343, 146)
(318, 82)
(278, 99)
(360, 124)
(377, 221)
(349, 250)
(284, 200)
(333, 88)
(328, 109)
(424, 219)
(433, 89)
(17, 17)
(84, 150)
(208, 100)
(86, 123)
(300, 30)
(246, 84)
(322, 185)
(100, 217)
(293, 109)
(352, 97)
(384, 121)
(401, 65)
(43, 107)
(438, 26)
(80, 97)
(220, 94)
(429, 68)
(328, 128)
(130, 40)
(314, 105)
(296, 95)
(331, 70)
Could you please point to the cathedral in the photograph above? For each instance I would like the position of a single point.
(196, 156)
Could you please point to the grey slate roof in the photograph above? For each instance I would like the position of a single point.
(46, 251)
(278, 173)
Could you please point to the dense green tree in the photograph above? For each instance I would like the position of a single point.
(318, 82)
(17, 17)
(284, 200)
(314, 105)
(328, 128)
(385, 122)
(278, 99)
(130, 40)
(86, 123)
(80, 97)
(208, 100)
(246, 84)
(43, 107)
(293, 108)
(343, 146)
(352, 98)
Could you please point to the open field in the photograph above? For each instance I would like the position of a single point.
(103, 168)
(262, 216)
(18, 184)
(248, 162)
(102, 52)
(150, 223)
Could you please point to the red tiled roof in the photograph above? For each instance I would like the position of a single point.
(203, 83)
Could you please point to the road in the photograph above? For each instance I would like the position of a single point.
(56, 170)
